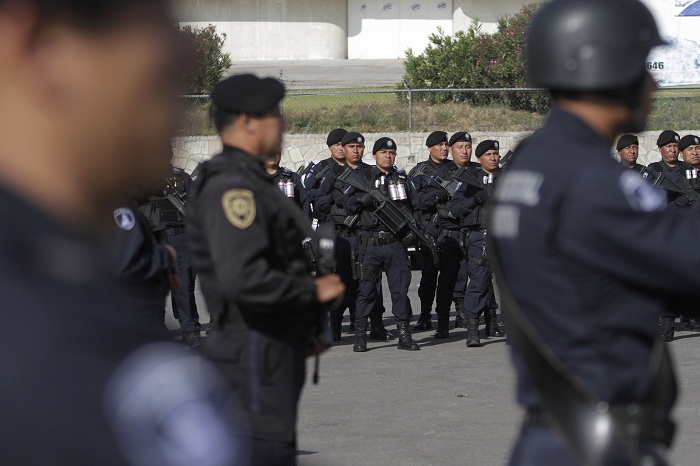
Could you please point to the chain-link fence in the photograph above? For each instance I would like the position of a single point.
(391, 111)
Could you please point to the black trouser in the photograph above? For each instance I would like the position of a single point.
(450, 258)
(267, 376)
(428, 282)
(183, 300)
(462, 280)
(393, 260)
(344, 247)
(479, 295)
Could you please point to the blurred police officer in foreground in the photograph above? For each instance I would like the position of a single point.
(89, 94)
(628, 151)
(577, 239)
(427, 198)
(380, 250)
(246, 239)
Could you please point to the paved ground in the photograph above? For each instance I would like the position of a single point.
(443, 405)
(327, 74)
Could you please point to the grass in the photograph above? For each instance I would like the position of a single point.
(388, 112)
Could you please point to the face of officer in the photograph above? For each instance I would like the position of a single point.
(461, 153)
(273, 164)
(337, 152)
(385, 159)
(629, 155)
(669, 154)
(353, 153)
(489, 161)
(438, 152)
(89, 107)
(691, 156)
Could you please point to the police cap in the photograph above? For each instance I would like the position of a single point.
(246, 93)
(335, 136)
(435, 138)
(384, 144)
(353, 138)
(687, 141)
(485, 146)
(461, 136)
(667, 137)
(626, 140)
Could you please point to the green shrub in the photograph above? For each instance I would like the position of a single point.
(476, 60)
(211, 61)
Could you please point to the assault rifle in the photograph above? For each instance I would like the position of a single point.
(452, 183)
(175, 198)
(688, 187)
(396, 219)
(305, 170)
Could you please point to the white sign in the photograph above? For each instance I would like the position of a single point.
(679, 22)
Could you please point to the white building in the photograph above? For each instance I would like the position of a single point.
(337, 29)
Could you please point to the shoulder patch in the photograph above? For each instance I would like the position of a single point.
(125, 218)
(239, 207)
(641, 195)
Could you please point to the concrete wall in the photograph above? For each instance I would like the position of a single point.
(273, 29)
(298, 149)
(488, 12)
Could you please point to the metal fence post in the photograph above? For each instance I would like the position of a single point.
(410, 110)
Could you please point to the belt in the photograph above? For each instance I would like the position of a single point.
(456, 234)
(174, 231)
(341, 232)
(379, 238)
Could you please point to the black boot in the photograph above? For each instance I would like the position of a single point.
(492, 329)
(473, 333)
(377, 331)
(192, 339)
(352, 320)
(666, 330)
(405, 340)
(336, 325)
(360, 345)
(461, 318)
(443, 327)
(424, 321)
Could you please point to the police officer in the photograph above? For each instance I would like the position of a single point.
(460, 145)
(289, 183)
(246, 238)
(329, 202)
(628, 151)
(670, 166)
(427, 198)
(577, 239)
(689, 146)
(380, 250)
(78, 367)
(147, 267)
(470, 204)
(165, 210)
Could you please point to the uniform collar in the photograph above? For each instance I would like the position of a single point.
(243, 157)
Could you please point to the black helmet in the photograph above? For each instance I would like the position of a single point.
(590, 45)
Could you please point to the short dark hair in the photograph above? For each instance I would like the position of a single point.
(89, 14)
(221, 118)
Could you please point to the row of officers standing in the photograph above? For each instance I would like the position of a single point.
(677, 174)
(445, 203)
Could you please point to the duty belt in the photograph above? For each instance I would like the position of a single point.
(379, 238)
(455, 234)
(174, 231)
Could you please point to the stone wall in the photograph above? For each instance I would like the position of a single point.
(298, 149)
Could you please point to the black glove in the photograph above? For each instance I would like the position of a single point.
(481, 197)
(337, 197)
(442, 195)
(410, 240)
(365, 199)
(682, 201)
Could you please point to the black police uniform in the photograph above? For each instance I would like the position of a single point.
(426, 200)
(470, 204)
(68, 336)
(676, 173)
(143, 264)
(284, 177)
(246, 240)
(379, 250)
(578, 240)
